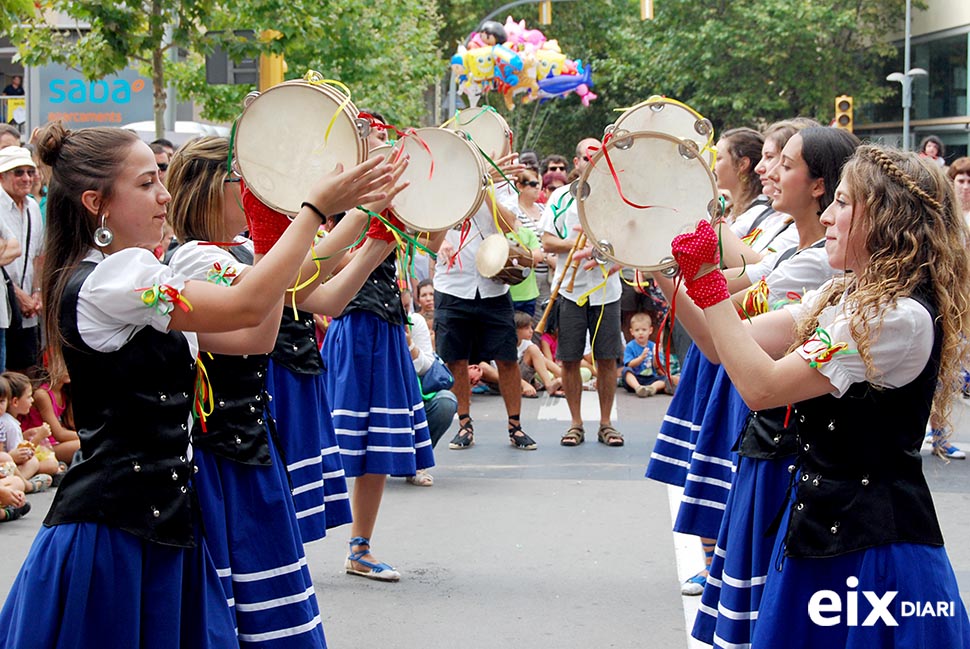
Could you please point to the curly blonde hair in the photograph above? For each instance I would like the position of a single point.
(918, 244)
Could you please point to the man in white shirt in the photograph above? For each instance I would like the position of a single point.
(474, 319)
(20, 216)
(592, 306)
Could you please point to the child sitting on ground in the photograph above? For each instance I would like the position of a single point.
(536, 370)
(35, 460)
(537, 373)
(638, 373)
(52, 406)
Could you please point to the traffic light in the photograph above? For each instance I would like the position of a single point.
(843, 112)
(545, 12)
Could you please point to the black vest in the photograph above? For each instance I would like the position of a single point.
(766, 436)
(861, 482)
(236, 429)
(296, 344)
(132, 409)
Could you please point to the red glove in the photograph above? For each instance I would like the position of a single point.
(380, 231)
(694, 250)
(266, 225)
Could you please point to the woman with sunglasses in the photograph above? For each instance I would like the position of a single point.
(528, 211)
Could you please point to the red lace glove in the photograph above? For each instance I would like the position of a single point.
(380, 231)
(266, 225)
(694, 250)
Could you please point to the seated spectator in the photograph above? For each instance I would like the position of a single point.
(551, 181)
(29, 448)
(439, 407)
(18, 461)
(425, 300)
(52, 406)
(638, 373)
(555, 163)
(13, 504)
(536, 371)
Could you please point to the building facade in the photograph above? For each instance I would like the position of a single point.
(940, 44)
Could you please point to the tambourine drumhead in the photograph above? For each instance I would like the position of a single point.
(656, 170)
(486, 128)
(666, 116)
(502, 260)
(281, 145)
(441, 197)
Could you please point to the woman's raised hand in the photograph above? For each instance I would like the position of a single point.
(339, 190)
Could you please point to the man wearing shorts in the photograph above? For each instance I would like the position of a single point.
(592, 306)
(474, 321)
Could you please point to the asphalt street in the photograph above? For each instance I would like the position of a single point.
(560, 548)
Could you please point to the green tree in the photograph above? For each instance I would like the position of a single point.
(110, 36)
(738, 62)
(386, 52)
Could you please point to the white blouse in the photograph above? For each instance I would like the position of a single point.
(111, 308)
(900, 351)
(208, 263)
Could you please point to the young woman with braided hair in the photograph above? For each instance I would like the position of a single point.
(860, 360)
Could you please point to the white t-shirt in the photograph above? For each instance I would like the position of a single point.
(11, 432)
(421, 338)
(561, 215)
(463, 279)
(908, 321)
(15, 224)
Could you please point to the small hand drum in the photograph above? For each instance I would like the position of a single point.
(281, 146)
(447, 178)
(485, 128)
(671, 189)
(668, 116)
(502, 260)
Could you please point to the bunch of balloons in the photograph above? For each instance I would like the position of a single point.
(520, 63)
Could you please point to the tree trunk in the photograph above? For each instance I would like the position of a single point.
(158, 71)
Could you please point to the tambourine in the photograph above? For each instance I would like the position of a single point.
(486, 128)
(281, 145)
(658, 187)
(663, 115)
(447, 177)
(503, 261)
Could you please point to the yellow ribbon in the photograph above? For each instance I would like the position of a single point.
(299, 286)
(315, 78)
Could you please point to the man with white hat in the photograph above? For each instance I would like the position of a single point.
(20, 220)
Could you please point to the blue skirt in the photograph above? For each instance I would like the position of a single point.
(254, 539)
(85, 585)
(309, 447)
(377, 407)
(712, 462)
(917, 573)
(670, 458)
(729, 606)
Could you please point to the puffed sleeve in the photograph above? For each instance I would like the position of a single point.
(901, 348)
(128, 290)
(206, 263)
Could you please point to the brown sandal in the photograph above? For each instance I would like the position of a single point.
(609, 436)
(573, 437)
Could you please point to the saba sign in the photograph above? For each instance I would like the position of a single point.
(65, 95)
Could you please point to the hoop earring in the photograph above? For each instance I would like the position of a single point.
(103, 236)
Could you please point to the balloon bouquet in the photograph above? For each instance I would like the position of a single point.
(519, 63)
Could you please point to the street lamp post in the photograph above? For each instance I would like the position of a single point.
(906, 78)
